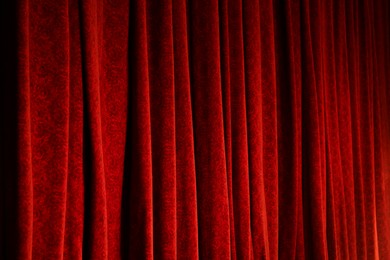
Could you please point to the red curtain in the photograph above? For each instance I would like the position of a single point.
(201, 129)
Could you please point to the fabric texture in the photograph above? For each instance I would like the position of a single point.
(200, 129)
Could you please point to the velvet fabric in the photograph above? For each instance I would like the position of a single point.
(200, 129)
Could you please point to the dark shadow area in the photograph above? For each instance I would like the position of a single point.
(288, 123)
(308, 178)
(8, 131)
(129, 156)
(87, 152)
(87, 173)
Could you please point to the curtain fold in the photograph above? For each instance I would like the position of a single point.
(218, 129)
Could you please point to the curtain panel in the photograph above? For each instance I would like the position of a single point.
(199, 129)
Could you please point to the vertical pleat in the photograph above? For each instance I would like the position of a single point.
(210, 160)
(227, 118)
(366, 134)
(186, 203)
(269, 122)
(345, 127)
(162, 98)
(288, 64)
(314, 188)
(239, 142)
(337, 233)
(386, 113)
(46, 126)
(253, 91)
(24, 193)
(75, 185)
(113, 105)
(353, 63)
(380, 120)
(137, 213)
(95, 240)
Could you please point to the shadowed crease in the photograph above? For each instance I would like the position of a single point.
(9, 238)
(130, 135)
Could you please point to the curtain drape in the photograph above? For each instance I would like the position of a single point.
(200, 129)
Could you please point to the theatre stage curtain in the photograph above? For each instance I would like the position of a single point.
(200, 129)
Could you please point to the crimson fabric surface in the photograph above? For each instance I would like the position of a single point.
(201, 129)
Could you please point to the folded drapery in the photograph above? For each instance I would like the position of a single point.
(202, 129)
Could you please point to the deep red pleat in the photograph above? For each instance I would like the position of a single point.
(137, 212)
(210, 160)
(258, 210)
(313, 168)
(186, 202)
(269, 122)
